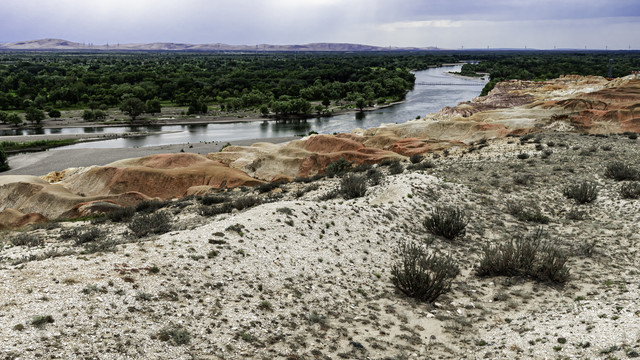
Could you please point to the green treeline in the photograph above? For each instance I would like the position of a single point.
(280, 83)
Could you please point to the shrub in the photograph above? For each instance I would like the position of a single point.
(374, 176)
(332, 194)
(41, 320)
(122, 214)
(27, 240)
(525, 256)
(523, 156)
(447, 222)
(421, 275)
(353, 186)
(620, 171)
(149, 206)
(338, 167)
(266, 187)
(523, 179)
(213, 199)
(177, 335)
(583, 193)
(361, 168)
(529, 213)
(396, 168)
(147, 224)
(215, 210)
(630, 190)
(416, 158)
(81, 237)
(246, 202)
(427, 164)
(99, 246)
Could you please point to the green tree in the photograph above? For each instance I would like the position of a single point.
(88, 115)
(99, 115)
(4, 161)
(14, 119)
(199, 107)
(361, 103)
(54, 114)
(326, 102)
(264, 110)
(3, 116)
(153, 106)
(93, 105)
(132, 107)
(34, 115)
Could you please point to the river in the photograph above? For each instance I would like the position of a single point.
(423, 99)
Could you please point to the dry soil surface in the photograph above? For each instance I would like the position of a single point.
(308, 276)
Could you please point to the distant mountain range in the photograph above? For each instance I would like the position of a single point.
(65, 45)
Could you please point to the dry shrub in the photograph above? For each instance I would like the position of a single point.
(447, 222)
(527, 256)
(421, 275)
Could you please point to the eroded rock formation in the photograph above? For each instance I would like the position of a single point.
(570, 103)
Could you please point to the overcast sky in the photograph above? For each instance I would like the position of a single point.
(444, 23)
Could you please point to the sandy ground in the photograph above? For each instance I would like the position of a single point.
(41, 163)
(306, 277)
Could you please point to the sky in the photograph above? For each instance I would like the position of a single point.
(450, 24)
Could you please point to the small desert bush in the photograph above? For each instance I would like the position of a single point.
(121, 214)
(522, 156)
(620, 171)
(396, 168)
(525, 256)
(266, 187)
(448, 222)
(331, 194)
(246, 202)
(423, 165)
(353, 186)
(416, 158)
(630, 190)
(213, 199)
(583, 193)
(82, 236)
(176, 334)
(147, 224)
(27, 240)
(149, 206)
(212, 210)
(41, 320)
(338, 167)
(529, 213)
(523, 179)
(374, 176)
(361, 168)
(421, 275)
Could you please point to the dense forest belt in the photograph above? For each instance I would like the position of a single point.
(40, 84)
(284, 83)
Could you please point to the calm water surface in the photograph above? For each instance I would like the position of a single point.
(423, 99)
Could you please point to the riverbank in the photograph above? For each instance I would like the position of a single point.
(43, 162)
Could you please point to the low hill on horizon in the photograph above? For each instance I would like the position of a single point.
(60, 44)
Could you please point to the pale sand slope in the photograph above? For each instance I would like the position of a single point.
(308, 278)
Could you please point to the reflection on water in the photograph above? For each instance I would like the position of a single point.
(419, 102)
